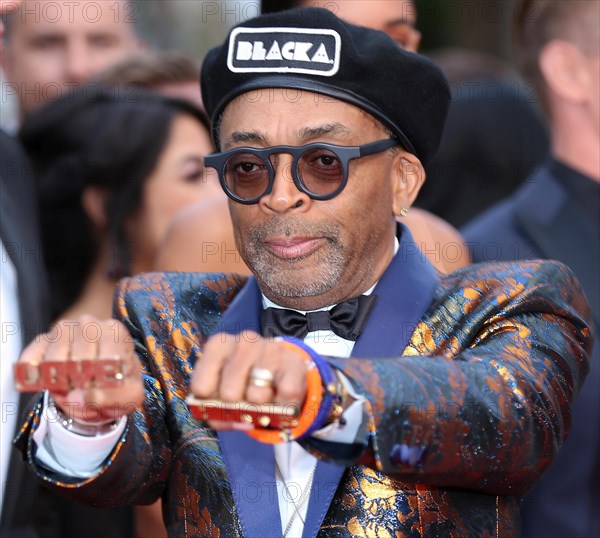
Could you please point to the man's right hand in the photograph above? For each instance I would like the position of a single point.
(90, 338)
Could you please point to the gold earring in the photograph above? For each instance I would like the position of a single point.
(404, 211)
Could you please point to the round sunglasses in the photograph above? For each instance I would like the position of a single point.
(319, 170)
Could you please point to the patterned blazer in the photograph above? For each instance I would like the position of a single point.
(469, 378)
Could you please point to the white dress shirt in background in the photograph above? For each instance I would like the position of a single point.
(10, 348)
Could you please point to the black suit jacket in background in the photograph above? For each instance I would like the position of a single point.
(28, 510)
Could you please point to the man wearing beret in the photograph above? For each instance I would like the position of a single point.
(428, 404)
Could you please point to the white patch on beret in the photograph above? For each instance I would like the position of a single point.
(284, 50)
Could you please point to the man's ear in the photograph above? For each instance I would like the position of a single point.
(564, 69)
(94, 200)
(408, 180)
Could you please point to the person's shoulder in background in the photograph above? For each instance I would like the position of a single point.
(438, 240)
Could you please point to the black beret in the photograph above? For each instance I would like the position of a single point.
(311, 49)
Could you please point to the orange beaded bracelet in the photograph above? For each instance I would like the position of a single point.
(308, 413)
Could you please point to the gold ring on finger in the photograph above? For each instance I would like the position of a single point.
(261, 377)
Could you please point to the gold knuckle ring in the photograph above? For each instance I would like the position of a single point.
(261, 377)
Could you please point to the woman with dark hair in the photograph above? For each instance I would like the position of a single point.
(112, 172)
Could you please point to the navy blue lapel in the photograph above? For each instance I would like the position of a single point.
(404, 293)
(244, 311)
(325, 483)
(251, 470)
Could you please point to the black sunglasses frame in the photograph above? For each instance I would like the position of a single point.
(218, 161)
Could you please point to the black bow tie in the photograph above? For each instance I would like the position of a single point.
(347, 319)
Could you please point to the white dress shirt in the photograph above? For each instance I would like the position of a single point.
(295, 466)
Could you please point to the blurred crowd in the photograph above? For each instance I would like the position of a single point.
(104, 178)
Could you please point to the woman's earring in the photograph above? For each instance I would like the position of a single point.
(404, 211)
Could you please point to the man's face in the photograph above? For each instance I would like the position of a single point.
(305, 253)
(53, 46)
(397, 18)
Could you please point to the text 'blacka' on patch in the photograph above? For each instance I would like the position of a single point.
(284, 50)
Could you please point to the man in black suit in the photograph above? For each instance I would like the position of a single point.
(556, 214)
(23, 315)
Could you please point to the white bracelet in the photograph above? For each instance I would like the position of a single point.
(82, 427)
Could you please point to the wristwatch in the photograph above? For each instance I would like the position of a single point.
(343, 400)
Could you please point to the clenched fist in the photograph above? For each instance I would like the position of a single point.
(249, 368)
(89, 367)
